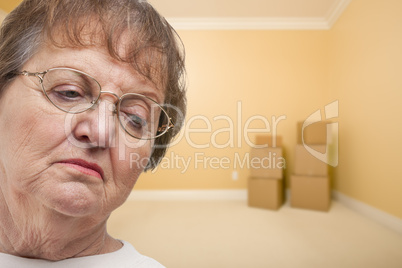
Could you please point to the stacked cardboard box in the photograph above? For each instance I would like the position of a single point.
(310, 183)
(265, 184)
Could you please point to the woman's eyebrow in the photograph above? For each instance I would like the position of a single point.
(152, 95)
(147, 90)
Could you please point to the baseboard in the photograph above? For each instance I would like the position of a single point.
(188, 195)
(370, 212)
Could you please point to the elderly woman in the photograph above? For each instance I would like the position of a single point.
(83, 86)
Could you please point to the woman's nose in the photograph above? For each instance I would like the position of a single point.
(95, 127)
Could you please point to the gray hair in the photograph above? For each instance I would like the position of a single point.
(154, 50)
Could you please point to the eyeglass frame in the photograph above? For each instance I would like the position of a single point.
(40, 75)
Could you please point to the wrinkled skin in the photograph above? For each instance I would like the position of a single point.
(51, 210)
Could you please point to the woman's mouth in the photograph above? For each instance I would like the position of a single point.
(85, 167)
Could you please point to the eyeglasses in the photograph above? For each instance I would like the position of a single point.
(73, 91)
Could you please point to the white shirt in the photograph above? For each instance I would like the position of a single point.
(127, 257)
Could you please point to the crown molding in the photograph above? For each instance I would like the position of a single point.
(262, 23)
(248, 23)
(314, 23)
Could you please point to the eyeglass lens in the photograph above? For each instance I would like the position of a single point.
(75, 92)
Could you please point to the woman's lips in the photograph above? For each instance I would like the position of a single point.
(85, 167)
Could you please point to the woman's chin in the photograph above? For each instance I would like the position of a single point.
(74, 199)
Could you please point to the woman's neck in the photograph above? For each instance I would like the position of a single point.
(46, 234)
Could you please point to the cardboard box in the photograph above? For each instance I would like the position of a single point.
(307, 164)
(316, 133)
(310, 192)
(269, 140)
(265, 193)
(266, 162)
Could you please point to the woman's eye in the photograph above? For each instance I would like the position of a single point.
(68, 92)
(136, 121)
(136, 114)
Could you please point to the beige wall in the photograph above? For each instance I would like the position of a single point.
(365, 75)
(271, 73)
(8, 5)
(294, 73)
(3, 15)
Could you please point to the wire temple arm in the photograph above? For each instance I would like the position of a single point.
(39, 75)
(163, 128)
(25, 73)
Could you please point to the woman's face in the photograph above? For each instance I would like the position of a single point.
(73, 164)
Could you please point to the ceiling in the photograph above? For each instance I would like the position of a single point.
(240, 14)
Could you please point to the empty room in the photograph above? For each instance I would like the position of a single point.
(282, 148)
